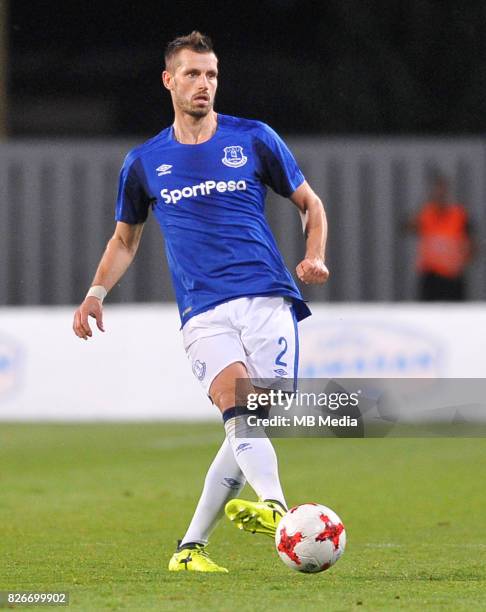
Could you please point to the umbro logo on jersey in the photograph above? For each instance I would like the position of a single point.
(163, 169)
(234, 157)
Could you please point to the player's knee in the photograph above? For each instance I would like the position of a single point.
(230, 387)
(223, 398)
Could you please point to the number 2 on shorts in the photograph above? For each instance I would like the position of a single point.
(278, 360)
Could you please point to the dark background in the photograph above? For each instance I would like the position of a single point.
(332, 67)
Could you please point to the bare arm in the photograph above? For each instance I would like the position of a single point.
(312, 268)
(116, 259)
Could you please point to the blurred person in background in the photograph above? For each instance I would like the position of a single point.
(445, 245)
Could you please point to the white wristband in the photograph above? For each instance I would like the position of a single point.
(97, 291)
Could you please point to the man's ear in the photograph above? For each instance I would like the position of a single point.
(167, 79)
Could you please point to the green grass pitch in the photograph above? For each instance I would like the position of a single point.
(96, 509)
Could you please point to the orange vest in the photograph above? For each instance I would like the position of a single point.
(444, 246)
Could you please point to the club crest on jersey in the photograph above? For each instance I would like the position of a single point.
(233, 157)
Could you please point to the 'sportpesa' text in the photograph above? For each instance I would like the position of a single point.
(201, 189)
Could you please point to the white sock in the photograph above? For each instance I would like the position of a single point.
(224, 481)
(256, 458)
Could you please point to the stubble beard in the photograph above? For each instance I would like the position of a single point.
(198, 112)
(187, 107)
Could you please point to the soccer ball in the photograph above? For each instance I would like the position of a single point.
(310, 538)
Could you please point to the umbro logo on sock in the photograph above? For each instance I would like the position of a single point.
(242, 447)
(231, 483)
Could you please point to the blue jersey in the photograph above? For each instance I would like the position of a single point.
(209, 201)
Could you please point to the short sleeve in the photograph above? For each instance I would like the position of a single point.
(278, 167)
(132, 202)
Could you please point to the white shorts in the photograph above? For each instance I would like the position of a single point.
(261, 332)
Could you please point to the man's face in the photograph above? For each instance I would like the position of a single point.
(192, 79)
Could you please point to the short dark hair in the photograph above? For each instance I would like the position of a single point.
(195, 41)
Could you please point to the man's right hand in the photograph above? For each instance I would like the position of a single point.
(91, 307)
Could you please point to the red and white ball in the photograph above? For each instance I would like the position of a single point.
(310, 538)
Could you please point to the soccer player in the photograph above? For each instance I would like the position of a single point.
(205, 179)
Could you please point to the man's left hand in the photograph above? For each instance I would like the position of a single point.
(312, 271)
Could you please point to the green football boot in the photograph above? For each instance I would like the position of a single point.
(255, 517)
(193, 558)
